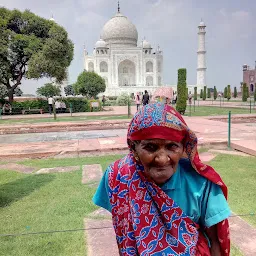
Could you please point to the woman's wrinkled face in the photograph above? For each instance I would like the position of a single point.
(159, 157)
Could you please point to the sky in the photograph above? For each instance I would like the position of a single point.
(172, 24)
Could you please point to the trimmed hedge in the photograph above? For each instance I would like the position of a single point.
(182, 91)
(208, 93)
(235, 92)
(195, 93)
(245, 92)
(78, 105)
(215, 94)
(204, 93)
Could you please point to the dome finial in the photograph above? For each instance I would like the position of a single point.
(118, 7)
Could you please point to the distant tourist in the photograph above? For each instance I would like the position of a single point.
(190, 98)
(137, 100)
(103, 100)
(50, 103)
(7, 107)
(145, 98)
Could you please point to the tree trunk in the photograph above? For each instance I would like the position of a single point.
(10, 95)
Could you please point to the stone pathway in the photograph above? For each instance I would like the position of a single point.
(58, 169)
(100, 238)
(206, 157)
(243, 236)
(17, 168)
(91, 174)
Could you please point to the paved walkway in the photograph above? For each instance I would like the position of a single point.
(208, 132)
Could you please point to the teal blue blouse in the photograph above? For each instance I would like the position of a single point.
(202, 200)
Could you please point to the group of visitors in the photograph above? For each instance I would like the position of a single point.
(144, 100)
(60, 106)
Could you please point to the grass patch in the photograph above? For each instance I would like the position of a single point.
(31, 203)
(61, 119)
(216, 111)
(235, 251)
(239, 174)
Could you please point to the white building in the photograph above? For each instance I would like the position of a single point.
(126, 66)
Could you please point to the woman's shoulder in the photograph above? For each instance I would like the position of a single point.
(191, 175)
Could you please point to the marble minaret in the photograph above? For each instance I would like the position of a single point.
(201, 54)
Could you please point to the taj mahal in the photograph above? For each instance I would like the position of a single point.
(128, 66)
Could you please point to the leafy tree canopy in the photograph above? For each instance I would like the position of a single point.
(48, 90)
(69, 90)
(31, 47)
(89, 84)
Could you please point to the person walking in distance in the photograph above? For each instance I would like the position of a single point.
(50, 103)
(145, 98)
(137, 100)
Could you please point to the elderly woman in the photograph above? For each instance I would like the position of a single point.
(163, 199)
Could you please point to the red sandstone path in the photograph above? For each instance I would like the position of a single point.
(207, 131)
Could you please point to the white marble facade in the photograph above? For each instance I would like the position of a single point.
(126, 66)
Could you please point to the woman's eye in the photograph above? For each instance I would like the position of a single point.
(150, 147)
(172, 146)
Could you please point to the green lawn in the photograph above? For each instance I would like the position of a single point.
(239, 174)
(216, 111)
(61, 119)
(30, 203)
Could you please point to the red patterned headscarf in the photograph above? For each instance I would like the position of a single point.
(145, 219)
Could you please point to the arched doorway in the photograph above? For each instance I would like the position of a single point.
(252, 88)
(149, 81)
(127, 73)
(103, 66)
(149, 66)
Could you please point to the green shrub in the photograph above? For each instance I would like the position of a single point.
(208, 93)
(235, 92)
(215, 94)
(78, 104)
(122, 100)
(228, 92)
(182, 91)
(201, 94)
(195, 93)
(112, 97)
(204, 94)
(245, 92)
(225, 92)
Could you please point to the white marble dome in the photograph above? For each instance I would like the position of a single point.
(100, 44)
(120, 31)
(146, 45)
(202, 24)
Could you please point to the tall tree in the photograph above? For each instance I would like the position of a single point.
(49, 90)
(215, 93)
(31, 47)
(225, 92)
(201, 94)
(182, 91)
(3, 91)
(245, 92)
(204, 94)
(228, 92)
(208, 93)
(195, 93)
(89, 84)
(235, 92)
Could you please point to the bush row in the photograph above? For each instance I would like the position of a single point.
(77, 104)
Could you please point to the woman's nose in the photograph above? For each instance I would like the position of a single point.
(162, 158)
